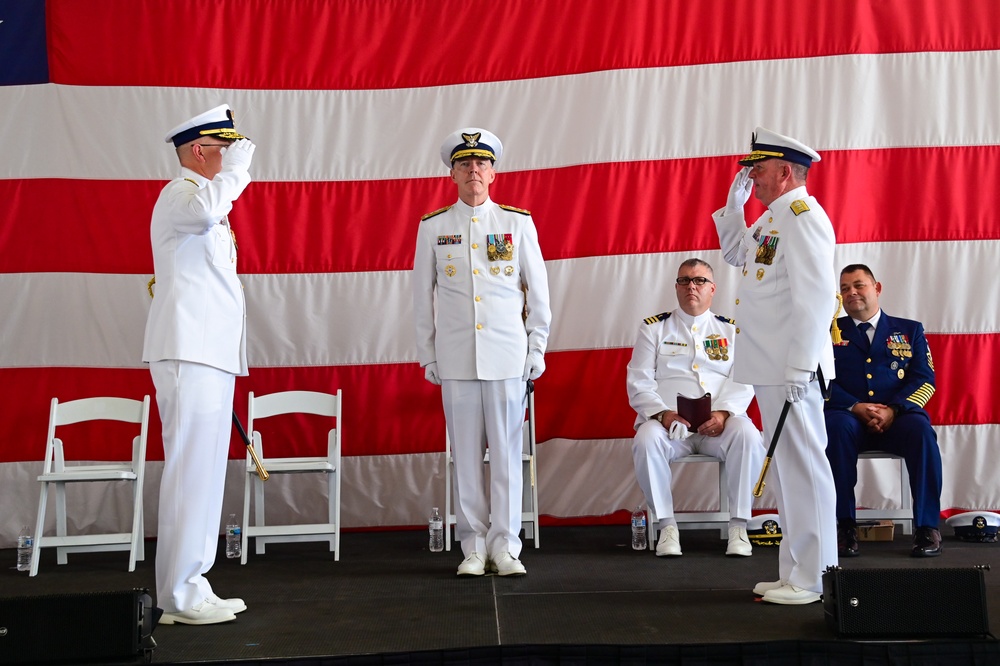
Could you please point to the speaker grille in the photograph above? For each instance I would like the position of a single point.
(905, 602)
(97, 626)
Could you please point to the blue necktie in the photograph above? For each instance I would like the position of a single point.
(864, 328)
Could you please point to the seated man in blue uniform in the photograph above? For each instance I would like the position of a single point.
(885, 376)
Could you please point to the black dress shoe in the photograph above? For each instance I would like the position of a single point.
(926, 542)
(847, 542)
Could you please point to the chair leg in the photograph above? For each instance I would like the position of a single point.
(36, 552)
(60, 520)
(244, 539)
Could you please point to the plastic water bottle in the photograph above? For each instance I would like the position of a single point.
(234, 536)
(436, 528)
(638, 529)
(25, 545)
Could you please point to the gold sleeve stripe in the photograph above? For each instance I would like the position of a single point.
(922, 395)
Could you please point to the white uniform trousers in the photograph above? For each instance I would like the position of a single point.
(480, 412)
(802, 483)
(739, 445)
(195, 403)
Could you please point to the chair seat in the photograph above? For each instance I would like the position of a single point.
(294, 465)
(89, 475)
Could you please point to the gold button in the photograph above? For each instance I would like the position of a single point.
(478, 326)
(868, 376)
(695, 366)
(449, 256)
(478, 299)
(737, 301)
(475, 246)
(868, 360)
(769, 220)
(694, 329)
(737, 330)
(475, 219)
(475, 271)
(871, 393)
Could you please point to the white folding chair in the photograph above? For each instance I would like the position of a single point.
(63, 466)
(904, 514)
(255, 526)
(529, 486)
(696, 519)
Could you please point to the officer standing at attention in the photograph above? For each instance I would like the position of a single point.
(690, 352)
(885, 376)
(487, 339)
(195, 345)
(786, 301)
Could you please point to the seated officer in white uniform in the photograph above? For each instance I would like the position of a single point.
(481, 308)
(689, 352)
(195, 345)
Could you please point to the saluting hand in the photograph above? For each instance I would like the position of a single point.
(740, 190)
(238, 155)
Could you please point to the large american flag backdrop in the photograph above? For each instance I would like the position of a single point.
(621, 123)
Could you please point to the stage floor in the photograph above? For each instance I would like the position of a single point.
(585, 587)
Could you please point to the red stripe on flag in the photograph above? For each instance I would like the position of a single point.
(390, 409)
(254, 44)
(616, 208)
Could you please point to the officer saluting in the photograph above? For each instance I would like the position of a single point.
(482, 262)
(195, 345)
(786, 300)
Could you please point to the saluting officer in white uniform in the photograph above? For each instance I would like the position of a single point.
(690, 352)
(786, 301)
(487, 339)
(195, 345)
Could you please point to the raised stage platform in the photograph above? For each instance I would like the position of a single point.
(588, 598)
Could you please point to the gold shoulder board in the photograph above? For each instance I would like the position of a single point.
(726, 319)
(799, 206)
(655, 318)
(436, 212)
(515, 210)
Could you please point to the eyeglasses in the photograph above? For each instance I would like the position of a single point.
(699, 281)
(217, 145)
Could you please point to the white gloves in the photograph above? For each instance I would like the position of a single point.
(238, 155)
(677, 431)
(534, 365)
(431, 373)
(796, 383)
(740, 190)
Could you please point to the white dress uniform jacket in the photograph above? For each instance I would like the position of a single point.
(199, 313)
(486, 269)
(676, 353)
(787, 255)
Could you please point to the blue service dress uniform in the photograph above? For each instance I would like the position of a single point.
(898, 371)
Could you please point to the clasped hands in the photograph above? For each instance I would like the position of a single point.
(874, 415)
(679, 428)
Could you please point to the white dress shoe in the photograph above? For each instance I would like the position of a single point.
(473, 565)
(792, 596)
(235, 604)
(739, 543)
(506, 564)
(203, 613)
(669, 544)
(760, 589)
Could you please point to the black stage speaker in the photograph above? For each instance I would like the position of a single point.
(101, 627)
(870, 603)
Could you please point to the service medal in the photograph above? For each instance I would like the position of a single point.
(449, 270)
